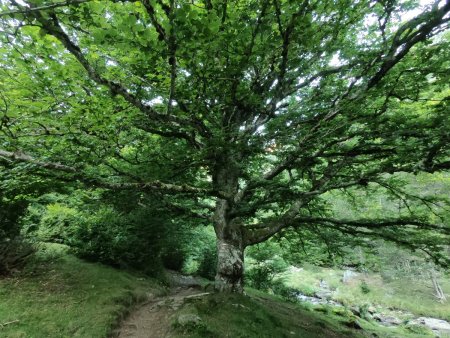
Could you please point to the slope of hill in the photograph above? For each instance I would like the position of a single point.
(62, 296)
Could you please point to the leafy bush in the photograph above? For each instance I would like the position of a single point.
(260, 275)
(14, 253)
(279, 287)
(208, 262)
(131, 238)
(134, 240)
(364, 287)
(51, 223)
(176, 248)
(418, 329)
(173, 259)
(264, 265)
(12, 208)
(364, 311)
(201, 254)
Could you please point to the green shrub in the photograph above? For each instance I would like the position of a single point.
(14, 254)
(260, 275)
(54, 222)
(264, 264)
(418, 329)
(130, 238)
(11, 209)
(133, 241)
(364, 287)
(173, 259)
(279, 287)
(208, 262)
(364, 311)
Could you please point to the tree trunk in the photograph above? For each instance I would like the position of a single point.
(230, 243)
(230, 267)
(230, 251)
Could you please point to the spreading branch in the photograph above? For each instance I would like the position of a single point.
(79, 175)
(408, 35)
(261, 232)
(19, 156)
(53, 27)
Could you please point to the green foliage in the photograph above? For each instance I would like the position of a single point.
(265, 263)
(122, 240)
(419, 329)
(261, 114)
(278, 287)
(15, 195)
(364, 308)
(173, 258)
(14, 254)
(208, 262)
(15, 251)
(135, 238)
(54, 222)
(365, 289)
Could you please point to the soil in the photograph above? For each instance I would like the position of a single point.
(153, 318)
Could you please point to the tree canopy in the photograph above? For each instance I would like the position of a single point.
(247, 115)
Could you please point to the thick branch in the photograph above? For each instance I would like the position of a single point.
(78, 175)
(417, 30)
(53, 28)
(22, 157)
(152, 14)
(374, 223)
(259, 233)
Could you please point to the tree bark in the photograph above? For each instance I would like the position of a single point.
(230, 267)
(229, 234)
(230, 251)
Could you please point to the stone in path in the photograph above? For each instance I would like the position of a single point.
(153, 319)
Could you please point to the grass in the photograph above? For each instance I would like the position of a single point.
(259, 315)
(256, 316)
(410, 295)
(62, 296)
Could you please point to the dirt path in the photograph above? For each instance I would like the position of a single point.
(153, 319)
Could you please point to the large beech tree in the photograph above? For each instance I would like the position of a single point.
(247, 112)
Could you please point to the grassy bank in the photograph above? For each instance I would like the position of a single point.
(255, 316)
(62, 296)
(259, 315)
(59, 295)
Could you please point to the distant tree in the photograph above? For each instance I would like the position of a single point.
(247, 112)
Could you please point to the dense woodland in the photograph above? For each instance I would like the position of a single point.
(186, 135)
